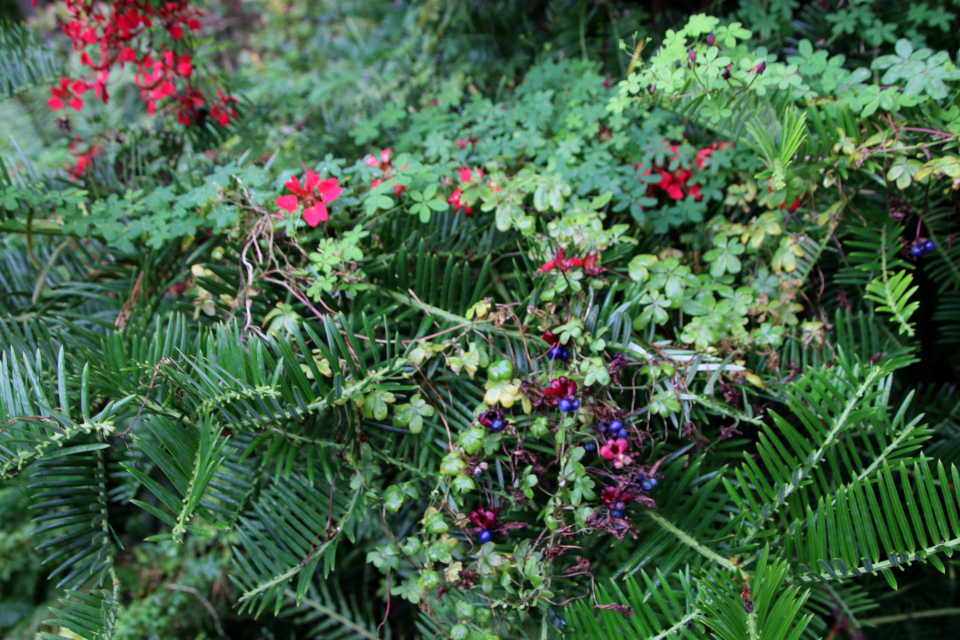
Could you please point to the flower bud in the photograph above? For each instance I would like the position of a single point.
(691, 54)
(653, 88)
(760, 68)
(725, 74)
(711, 40)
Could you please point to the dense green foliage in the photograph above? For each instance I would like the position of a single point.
(733, 235)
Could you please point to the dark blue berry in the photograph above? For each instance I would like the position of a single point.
(496, 425)
(564, 355)
(615, 425)
(565, 405)
(478, 473)
(648, 484)
(485, 536)
(589, 447)
(916, 250)
(623, 434)
(616, 513)
(619, 506)
(602, 427)
(555, 352)
(929, 246)
(575, 404)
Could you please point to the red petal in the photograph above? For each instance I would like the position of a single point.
(77, 104)
(607, 452)
(176, 32)
(465, 175)
(288, 203)
(329, 191)
(55, 103)
(310, 182)
(315, 214)
(293, 184)
(385, 156)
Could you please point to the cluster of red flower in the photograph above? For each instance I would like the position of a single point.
(123, 31)
(84, 158)
(386, 167)
(674, 183)
(563, 264)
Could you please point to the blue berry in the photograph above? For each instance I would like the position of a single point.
(602, 427)
(565, 405)
(623, 434)
(589, 447)
(615, 425)
(929, 246)
(653, 482)
(619, 506)
(649, 484)
(575, 404)
(485, 536)
(916, 250)
(564, 355)
(496, 425)
(477, 473)
(556, 352)
(616, 513)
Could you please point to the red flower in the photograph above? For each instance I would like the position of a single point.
(675, 192)
(382, 163)
(590, 264)
(454, 199)
(695, 192)
(176, 32)
(616, 451)
(557, 262)
(613, 495)
(484, 518)
(315, 193)
(69, 91)
(561, 388)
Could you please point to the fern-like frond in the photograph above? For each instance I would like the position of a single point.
(24, 62)
(34, 422)
(91, 616)
(854, 533)
(291, 528)
(656, 609)
(844, 424)
(71, 496)
(765, 608)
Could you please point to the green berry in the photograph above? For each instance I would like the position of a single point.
(460, 632)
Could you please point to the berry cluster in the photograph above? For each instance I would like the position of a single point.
(921, 247)
(484, 520)
(561, 391)
(556, 351)
(616, 499)
(493, 419)
(614, 429)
